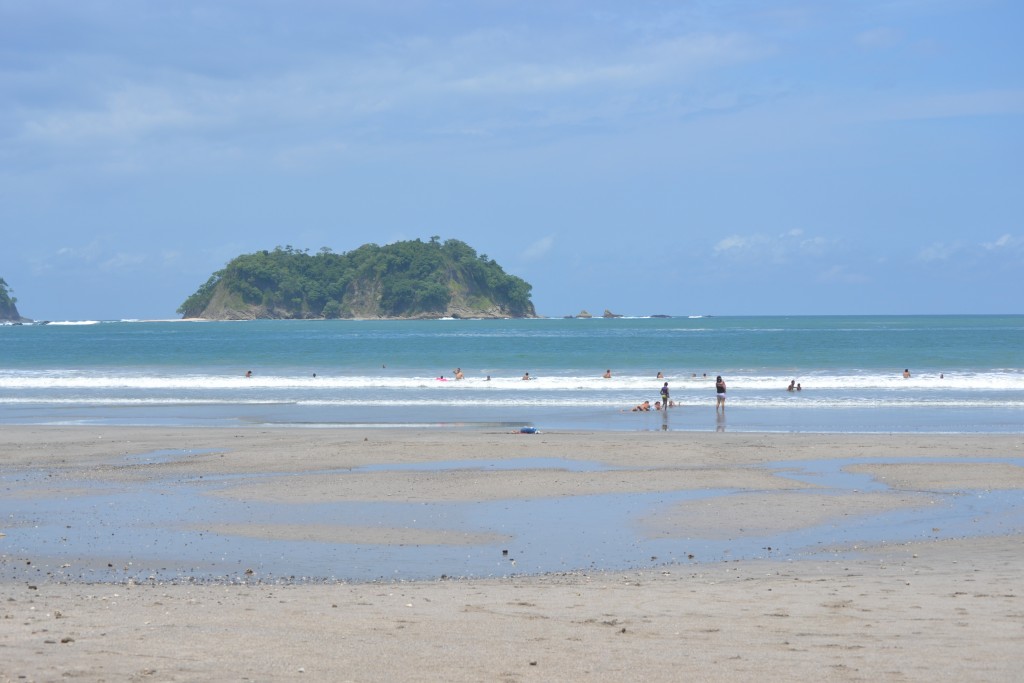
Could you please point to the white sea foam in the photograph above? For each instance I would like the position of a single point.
(95, 380)
(549, 402)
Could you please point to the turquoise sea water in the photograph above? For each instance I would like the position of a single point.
(967, 373)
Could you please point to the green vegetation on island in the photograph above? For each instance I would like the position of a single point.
(8, 310)
(410, 279)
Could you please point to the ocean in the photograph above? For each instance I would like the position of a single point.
(966, 373)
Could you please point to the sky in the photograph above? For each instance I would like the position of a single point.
(735, 157)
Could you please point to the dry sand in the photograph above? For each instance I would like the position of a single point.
(950, 609)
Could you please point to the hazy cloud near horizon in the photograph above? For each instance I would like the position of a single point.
(777, 157)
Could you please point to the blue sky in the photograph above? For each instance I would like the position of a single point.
(729, 158)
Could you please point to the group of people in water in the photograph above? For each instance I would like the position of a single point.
(458, 374)
(666, 401)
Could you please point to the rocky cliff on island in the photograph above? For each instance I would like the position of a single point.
(8, 310)
(410, 279)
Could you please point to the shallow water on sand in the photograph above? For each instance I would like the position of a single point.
(101, 531)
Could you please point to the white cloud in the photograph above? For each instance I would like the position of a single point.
(1004, 241)
(1005, 249)
(736, 243)
(476, 80)
(780, 248)
(128, 113)
(123, 261)
(814, 245)
(540, 248)
(98, 254)
(939, 251)
(472, 68)
(173, 259)
(87, 252)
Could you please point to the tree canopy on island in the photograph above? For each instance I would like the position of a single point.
(5, 293)
(404, 279)
(8, 310)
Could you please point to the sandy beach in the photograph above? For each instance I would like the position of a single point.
(937, 597)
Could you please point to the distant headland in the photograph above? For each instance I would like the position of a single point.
(8, 310)
(408, 279)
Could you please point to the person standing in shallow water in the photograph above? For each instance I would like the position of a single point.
(664, 394)
(720, 394)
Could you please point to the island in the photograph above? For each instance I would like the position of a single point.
(407, 279)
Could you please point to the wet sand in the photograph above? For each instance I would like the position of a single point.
(930, 607)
